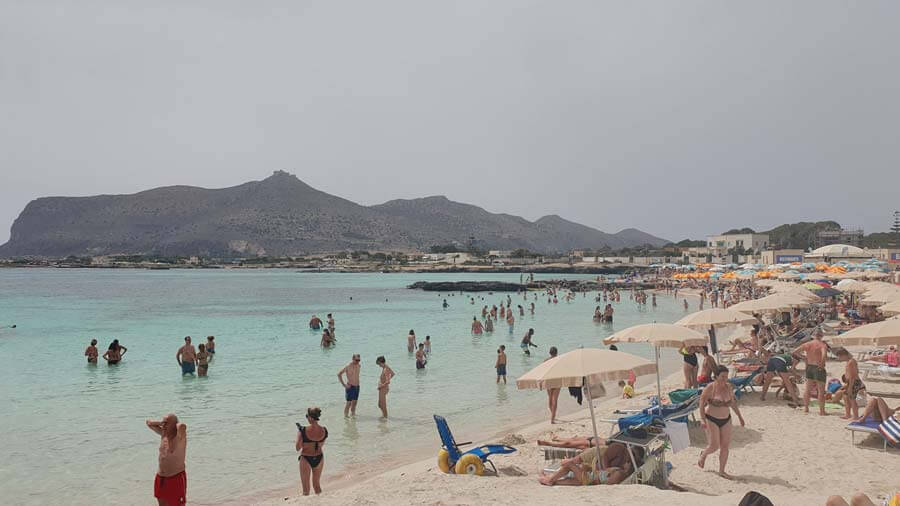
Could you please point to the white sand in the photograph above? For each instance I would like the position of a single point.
(789, 456)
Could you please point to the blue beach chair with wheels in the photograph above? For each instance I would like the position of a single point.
(743, 383)
(452, 459)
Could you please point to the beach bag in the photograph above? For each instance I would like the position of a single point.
(890, 429)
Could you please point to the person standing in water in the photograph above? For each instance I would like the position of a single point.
(170, 485)
(351, 386)
(552, 393)
(211, 346)
(327, 338)
(427, 345)
(186, 357)
(315, 323)
(500, 365)
(330, 325)
(532, 306)
(476, 326)
(91, 352)
(411, 341)
(115, 353)
(202, 360)
(310, 440)
(526, 342)
(489, 325)
(420, 357)
(384, 383)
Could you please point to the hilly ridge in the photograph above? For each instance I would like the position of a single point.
(280, 215)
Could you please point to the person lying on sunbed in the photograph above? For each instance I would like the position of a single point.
(878, 409)
(613, 467)
(579, 443)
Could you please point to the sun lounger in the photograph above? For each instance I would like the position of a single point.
(673, 412)
(743, 383)
(868, 426)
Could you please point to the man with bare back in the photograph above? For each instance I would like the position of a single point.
(815, 351)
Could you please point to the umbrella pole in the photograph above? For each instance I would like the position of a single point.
(658, 387)
(593, 419)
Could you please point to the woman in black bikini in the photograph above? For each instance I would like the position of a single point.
(310, 440)
(690, 367)
(716, 403)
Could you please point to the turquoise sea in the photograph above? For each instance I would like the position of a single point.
(74, 433)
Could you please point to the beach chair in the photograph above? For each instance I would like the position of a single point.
(743, 383)
(868, 426)
(452, 459)
(678, 412)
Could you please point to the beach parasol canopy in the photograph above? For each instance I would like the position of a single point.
(770, 303)
(851, 285)
(660, 335)
(874, 334)
(583, 367)
(715, 317)
(570, 369)
(890, 307)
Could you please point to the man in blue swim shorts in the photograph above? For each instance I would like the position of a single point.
(186, 357)
(351, 386)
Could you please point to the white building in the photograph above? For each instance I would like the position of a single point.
(718, 245)
(838, 252)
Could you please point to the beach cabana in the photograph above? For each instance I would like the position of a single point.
(660, 335)
(582, 368)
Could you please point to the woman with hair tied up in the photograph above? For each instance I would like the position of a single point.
(310, 440)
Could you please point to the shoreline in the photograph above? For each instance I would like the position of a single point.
(425, 456)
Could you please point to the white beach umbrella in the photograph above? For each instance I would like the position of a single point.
(851, 285)
(890, 307)
(584, 367)
(715, 317)
(660, 335)
(776, 302)
(874, 334)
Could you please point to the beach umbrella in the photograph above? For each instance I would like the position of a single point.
(712, 318)
(660, 335)
(890, 307)
(584, 367)
(874, 334)
(769, 303)
(826, 292)
(851, 285)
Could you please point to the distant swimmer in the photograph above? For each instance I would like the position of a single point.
(484, 311)
(532, 306)
(115, 352)
(202, 360)
(654, 299)
(476, 326)
(411, 341)
(526, 342)
(428, 345)
(521, 310)
(170, 485)
(351, 386)
(500, 364)
(489, 325)
(598, 314)
(211, 345)
(510, 319)
(91, 352)
(186, 357)
(445, 304)
(420, 357)
(315, 323)
(384, 383)
(327, 338)
(685, 304)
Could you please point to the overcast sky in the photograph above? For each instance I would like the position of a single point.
(678, 118)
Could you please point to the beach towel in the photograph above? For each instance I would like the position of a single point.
(682, 394)
(890, 429)
(678, 435)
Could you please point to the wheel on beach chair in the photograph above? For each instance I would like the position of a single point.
(444, 461)
(470, 464)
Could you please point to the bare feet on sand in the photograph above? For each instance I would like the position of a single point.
(544, 480)
(725, 475)
(702, 461)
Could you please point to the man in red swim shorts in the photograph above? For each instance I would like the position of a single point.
(170, 487)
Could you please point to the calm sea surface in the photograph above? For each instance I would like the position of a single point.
(74, 433)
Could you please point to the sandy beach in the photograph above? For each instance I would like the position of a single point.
(789, 456)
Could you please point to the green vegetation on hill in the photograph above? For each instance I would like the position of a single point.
(799, 235)
(745, 230)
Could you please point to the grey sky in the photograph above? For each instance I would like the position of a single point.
(678, 118)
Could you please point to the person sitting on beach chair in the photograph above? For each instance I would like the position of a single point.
(878, 409)
(612, 468)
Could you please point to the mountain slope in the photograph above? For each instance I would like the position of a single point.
(279, 215)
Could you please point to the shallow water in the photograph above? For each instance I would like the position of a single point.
(75, 433)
